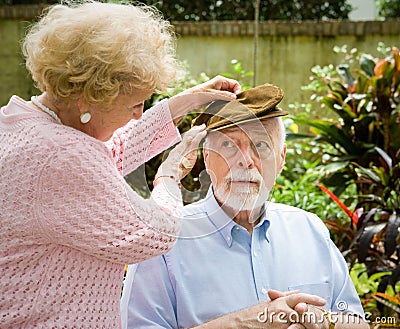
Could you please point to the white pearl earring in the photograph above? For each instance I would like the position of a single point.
(85, 117)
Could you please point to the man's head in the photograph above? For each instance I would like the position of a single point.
(245, 148)
(243, 162)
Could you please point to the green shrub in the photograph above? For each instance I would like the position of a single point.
(364, 139)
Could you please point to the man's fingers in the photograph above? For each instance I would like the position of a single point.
(274, 294)
(293, 300)
(296, 326)
(301, 308)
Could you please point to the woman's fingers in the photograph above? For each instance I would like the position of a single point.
(184, 155)
(218, 88)
(191, 141)
(194, 135)
(222, 83)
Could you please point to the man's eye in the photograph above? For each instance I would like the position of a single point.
(227, 144)
(262, 145)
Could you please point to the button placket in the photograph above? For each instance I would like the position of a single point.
(259, 267)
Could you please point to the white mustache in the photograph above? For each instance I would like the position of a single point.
(238, 175)
(247, 197)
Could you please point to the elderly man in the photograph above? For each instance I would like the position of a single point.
(242, 261)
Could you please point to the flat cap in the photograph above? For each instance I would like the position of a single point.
(253, 104)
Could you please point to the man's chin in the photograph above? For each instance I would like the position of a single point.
(242, 201)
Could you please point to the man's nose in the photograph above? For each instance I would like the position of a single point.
(246, 157)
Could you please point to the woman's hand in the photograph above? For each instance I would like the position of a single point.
(182, 158)
(218, 88)
(218, 85)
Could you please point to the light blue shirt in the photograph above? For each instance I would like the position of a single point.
(217, 267)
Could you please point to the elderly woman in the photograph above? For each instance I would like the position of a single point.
(69, 222)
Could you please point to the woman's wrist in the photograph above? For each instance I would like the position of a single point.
(180, 104)
(159, 177)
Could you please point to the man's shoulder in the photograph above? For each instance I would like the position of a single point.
(290, 215)
(284, 208)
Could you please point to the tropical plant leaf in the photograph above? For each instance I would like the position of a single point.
(335, 135)
(344, 71)
(366, 217)
(380, 67)
(366, 238)
(394, 299)
(362, 84)
(385, 157)
(353, 217)
(338, 180)
(385, 302)
(367, 64)
(349, 108)
(333, 167)
(370, 199)
(395, 277)
(368, 173)
(294, 136)
(396, 57)
(392, 231)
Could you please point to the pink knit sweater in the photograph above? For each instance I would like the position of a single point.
(69, 222)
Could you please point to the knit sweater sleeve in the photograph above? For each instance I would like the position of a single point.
(84, 203)
(140, 140)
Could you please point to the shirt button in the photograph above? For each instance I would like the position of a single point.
(237, 228)
(255, 254)
(228, 238)
(264, 291)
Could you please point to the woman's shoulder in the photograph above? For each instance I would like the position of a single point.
(49, 140)
(67, 144)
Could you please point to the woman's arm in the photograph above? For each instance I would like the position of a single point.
(141, 140)
(83, 202)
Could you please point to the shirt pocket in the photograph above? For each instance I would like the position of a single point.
(320, 289)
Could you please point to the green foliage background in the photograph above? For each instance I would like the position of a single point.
(208, 10)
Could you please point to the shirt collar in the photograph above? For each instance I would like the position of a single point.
(218, 217)
(224, 224)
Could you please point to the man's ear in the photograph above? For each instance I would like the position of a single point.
(205, 155)
(282, 158)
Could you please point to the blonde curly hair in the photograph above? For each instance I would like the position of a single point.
(98, 50)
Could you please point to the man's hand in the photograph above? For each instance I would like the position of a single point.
(278, 313)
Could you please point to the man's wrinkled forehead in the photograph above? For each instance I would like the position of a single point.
(255, 128)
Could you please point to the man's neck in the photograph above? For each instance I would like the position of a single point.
(246, 218)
